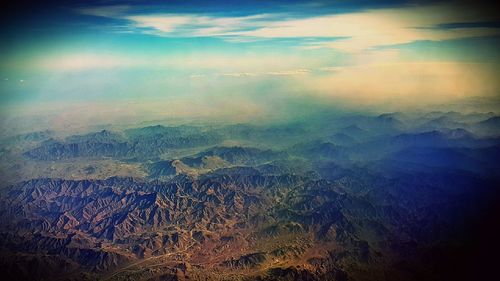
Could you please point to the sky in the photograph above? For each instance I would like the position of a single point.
(243, 59)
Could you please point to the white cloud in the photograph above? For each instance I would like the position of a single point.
(240, 74)
(289, 72)
(161, 23)
(373, 28)
(357, 30)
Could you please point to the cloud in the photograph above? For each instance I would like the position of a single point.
(371, 77)
(88, 61)
(182, 25)
(360, 73)
(290, 72)
(193, 25)
(240, 74)
(379, 27)
(214, 63)
(405, 83)
(353, 31)
(163, 24)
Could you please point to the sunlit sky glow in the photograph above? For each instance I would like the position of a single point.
(208, 58)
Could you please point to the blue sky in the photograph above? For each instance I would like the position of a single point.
(245, 57)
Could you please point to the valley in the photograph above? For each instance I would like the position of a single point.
(350, 199)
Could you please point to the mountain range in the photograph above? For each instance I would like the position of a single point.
(358, 197)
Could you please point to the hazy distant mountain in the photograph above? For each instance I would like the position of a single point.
(490, 126)
(142, 143)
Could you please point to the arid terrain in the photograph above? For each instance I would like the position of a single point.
(372, 197)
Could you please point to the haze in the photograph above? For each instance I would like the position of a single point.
(149, 61)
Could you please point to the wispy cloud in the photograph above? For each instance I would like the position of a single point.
(164, 24)
(354, 31)
(182, 25)
(239, 74)
(197, 25)
(290, 72)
